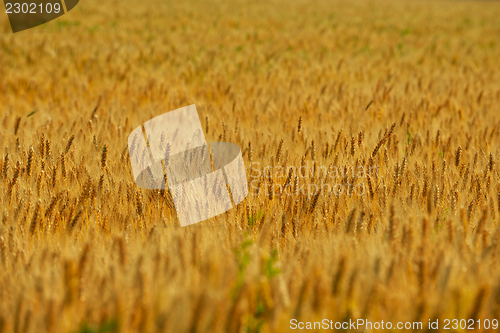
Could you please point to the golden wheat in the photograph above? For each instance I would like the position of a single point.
(383, 96)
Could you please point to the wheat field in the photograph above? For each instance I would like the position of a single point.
(312, 92)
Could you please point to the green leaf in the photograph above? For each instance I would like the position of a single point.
(269, 269)
(107, 327)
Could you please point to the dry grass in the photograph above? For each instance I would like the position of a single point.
(82, 249)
